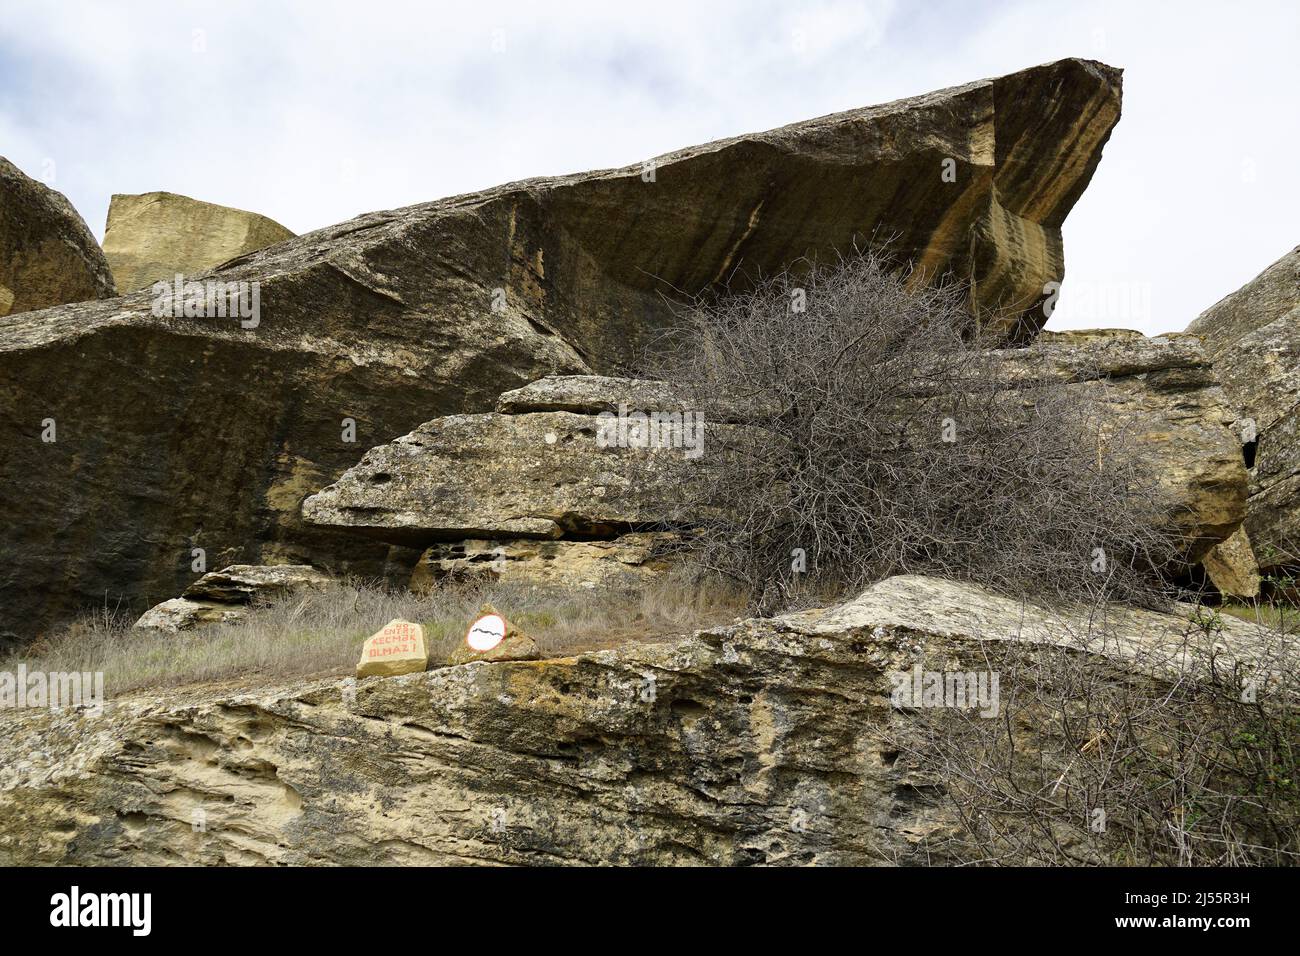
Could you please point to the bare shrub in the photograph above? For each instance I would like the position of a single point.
(887, 439)
(1093, 762)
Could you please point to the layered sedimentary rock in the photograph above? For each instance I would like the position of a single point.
(47, 254)
(176, 433)
(542, 473)
(1254, 336)
(626, 561)
(1166, 391)
(227, 596)
(536, 475)
(154, 236)
(763, 742)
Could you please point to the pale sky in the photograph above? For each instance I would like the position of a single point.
(314, 112)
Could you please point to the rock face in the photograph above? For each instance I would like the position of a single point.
(225, 597)
(47, 254)
(154, 236)
(761, 742)
(1167, 389)
(627, 561)
(1254, 336)
(538, 473)
(211, 434)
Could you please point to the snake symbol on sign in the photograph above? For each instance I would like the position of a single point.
(486, 632)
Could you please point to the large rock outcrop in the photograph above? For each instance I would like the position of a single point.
(47, 254)
(762, 742)
(175, 433)
(153, 236)
(1167, 391)
(1254, 336)
(537, 468)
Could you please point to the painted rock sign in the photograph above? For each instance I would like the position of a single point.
(492, 638)
(487, 631)
(398, 648)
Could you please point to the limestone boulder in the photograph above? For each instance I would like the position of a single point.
(539, 475)
(47, 254)
(1254, 336)
(153, 236)
(1166, 392)
(184, 614)
(395, 649)
(1232, 567)
(761, 742)
(226, 596)
(246, 584)
(176, 433)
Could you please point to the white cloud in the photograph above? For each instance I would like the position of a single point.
(313, 113)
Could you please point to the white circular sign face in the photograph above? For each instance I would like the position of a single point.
(486, 633)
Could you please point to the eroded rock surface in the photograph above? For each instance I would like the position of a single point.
(627, 561)
(1166, 391)
(1254, 336)
(546, 474)
(766, 741)
(536, 475)
(47, 254)
(180, 433)
(153, 236)
(226, 596)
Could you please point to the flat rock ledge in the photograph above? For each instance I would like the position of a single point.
(226, 596)
(762, 742)
(467, 487)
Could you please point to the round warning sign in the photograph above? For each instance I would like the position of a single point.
(486, 633)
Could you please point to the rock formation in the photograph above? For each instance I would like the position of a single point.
(226, 596)
(532, 470)
(1167, 387)
(1254, 336)
(626, 561)
(176, 433)
(47, 254)
(154, 236)
(766, 741)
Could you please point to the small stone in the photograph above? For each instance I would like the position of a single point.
(1232, 568)
(515, 645)
(398, 648)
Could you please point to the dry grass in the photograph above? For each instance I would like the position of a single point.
(1272, 616)
(321, 634)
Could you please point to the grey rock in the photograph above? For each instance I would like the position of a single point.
(47, 254)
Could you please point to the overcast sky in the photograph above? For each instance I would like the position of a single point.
(314, 112)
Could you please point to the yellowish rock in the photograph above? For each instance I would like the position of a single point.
(1232, 567)
(398, 648)
(153, 236)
